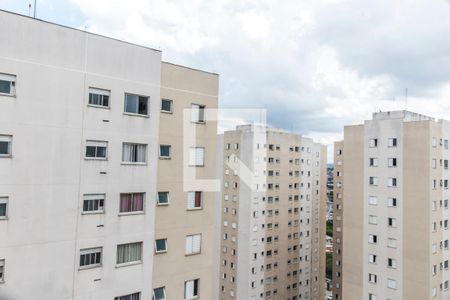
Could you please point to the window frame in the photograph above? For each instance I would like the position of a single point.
(4, 200)
(166, 246)
(129, 296)
(8, 139)
(100, 92)
(164, 292)
(195, 157)
(3, 270)
(160, 203)
(12, 79)
(142, 163)
(195, 282)
(132, 212)
(92, 142)
(199, 107)
(90, 251)
(137, 114)
(171, 106)
(92, 212)
(188, 200)
(191, 250)
(128, 263)
(170, 151)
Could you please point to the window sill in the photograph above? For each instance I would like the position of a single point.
(99, 106)
(167, 112)
(5, 156)
(165, 157)
(8, 95)
(89, 267)
(194, 209)
(4, 218)
(132, 213)
(199, 122)
(96, 158)
(129, 264)
(136, 115)
(92, 212)
(162, 204)
(133, 163)
(193, 254)
(160, 252)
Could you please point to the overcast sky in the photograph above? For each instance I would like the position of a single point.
(315, 65)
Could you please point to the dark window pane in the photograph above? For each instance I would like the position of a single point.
(101, 151)
(90, 151)
(4, 148)
(2, 209)
(105, 100)
(163, 198)
(131, 104)
(5, 87)
(166, 105)
(86, 205)
(143, 105)
(160, 245)
(165, 151)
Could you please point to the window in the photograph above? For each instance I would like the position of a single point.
(372, 258)
(5, 145)
(392, 222)
(90, 257)
(159, 293)
(160, 245)
(392, 284)
(94, 203)
(372, 239)
(7, 84)
(163, 198)
(134, 153)
(166, 105)
(193, 244)
(392, 263)
(164, 151)
(371, 297)
(392, 162)
(135, 296)
(434, 142)
(372, 219)
(2, 270)
(373, 143)
(372, 278)
(135, 104)
(131, 202)
(96, 149)
(198, 113)
(373, 200)
(392, 243)
(191, 289)
(433, 163)
(392, 202)
(3, 208)
(373, 162)
(373, 180)
(129, 253)
(98, 97)
(194, 200)
(392, 142)
(392, 182)
(196, 156)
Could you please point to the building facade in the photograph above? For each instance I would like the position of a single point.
(273, 215)
(82, 122)
(391, 213)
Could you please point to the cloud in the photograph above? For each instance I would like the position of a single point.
(314, 65)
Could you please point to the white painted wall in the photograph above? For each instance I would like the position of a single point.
(47, 175)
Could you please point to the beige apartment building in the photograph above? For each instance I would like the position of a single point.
(273, 215)
(391, 209)
(103, 149)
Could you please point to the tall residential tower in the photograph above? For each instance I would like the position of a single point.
(273, 215)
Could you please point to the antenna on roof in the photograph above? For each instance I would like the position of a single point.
(34, 14)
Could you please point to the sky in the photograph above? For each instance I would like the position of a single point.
(314, 65)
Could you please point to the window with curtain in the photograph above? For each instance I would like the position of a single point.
(93, 203)
(195, 200)
(128, 253)
(7, 84)
(5, 145)
(191, 289)
(196, 156)
(135, 104)
(134, 296)
(134, 153)
(198, 113)
(193, 244)
(3, 207)
(90, 257)
(131, 202)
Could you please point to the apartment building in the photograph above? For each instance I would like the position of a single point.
(273, 215)
(391, 213)
(90, 128)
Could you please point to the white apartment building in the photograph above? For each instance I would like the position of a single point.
(273, 215)
(80, 153)
(391, 214)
